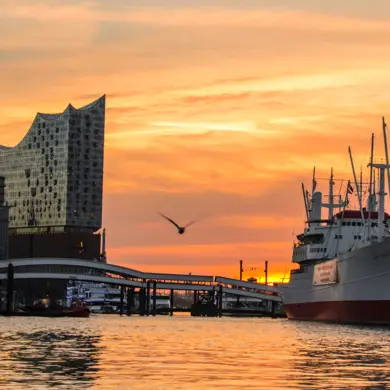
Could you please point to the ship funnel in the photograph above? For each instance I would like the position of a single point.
(316, 204)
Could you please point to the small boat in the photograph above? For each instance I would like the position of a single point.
(43, 309)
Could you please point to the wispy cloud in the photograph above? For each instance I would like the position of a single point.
(218, 110)
(192, 16)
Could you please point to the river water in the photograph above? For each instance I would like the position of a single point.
(182, 352)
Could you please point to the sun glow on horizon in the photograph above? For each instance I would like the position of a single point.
(214, 112)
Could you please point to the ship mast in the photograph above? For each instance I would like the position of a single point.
(382, 193)
(331, 203)
(314, 183)
(342, 217)
(356, 184)
(371, 161)
(386, 150)
(306, 205)
(371, 201)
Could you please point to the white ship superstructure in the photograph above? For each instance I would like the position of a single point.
(344, 259)
(99, 297)
(103, 298)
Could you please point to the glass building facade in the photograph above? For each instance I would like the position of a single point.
(54, 179)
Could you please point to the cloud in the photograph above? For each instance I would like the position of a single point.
(192, 16)
(255, 221)
(214, 112)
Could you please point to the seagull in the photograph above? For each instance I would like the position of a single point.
(181, 229)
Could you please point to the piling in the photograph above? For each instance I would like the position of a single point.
(273, 308)
(154, 298)
(147, 297)
(171, 299)
(121, 302)
(142, 301)
(195, 297)
(130, 300)
(219, 300)
(10, 289)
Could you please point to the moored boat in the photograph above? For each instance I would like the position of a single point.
(344, 259)
(46, 309)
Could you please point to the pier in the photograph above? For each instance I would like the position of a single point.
(209, 292)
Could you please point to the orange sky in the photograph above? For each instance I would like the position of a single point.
(215, 112)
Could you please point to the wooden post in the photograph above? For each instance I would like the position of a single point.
(10, 289)
(195, 297)
(147, 297)
(130, 300)
(273, 308)
(154, 298)
(121, 302)
(142, 301)
(171, 308)
(219, 301)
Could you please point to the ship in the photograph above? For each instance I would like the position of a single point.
(343, 258)
(102, 298)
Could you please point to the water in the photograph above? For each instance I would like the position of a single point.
(112, 352)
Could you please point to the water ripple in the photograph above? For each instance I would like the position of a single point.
(109, 352)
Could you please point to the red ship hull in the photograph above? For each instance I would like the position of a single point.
(345, 312)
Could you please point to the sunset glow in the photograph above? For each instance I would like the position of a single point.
(215, 113)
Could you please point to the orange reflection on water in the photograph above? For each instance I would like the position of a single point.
(182, 352)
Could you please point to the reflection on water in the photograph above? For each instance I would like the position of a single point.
(344, 356)
(36, 353)
(109, 352)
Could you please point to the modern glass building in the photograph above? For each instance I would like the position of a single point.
(54, 184)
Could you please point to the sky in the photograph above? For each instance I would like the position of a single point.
(217, 111)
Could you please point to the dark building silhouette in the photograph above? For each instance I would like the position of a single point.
(54, 185)
(3, 222)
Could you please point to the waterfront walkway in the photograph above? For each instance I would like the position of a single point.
(94, 271)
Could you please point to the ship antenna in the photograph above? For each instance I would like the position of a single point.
(356, 184)
(386, 151)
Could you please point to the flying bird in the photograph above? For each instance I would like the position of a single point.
(180, 229)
